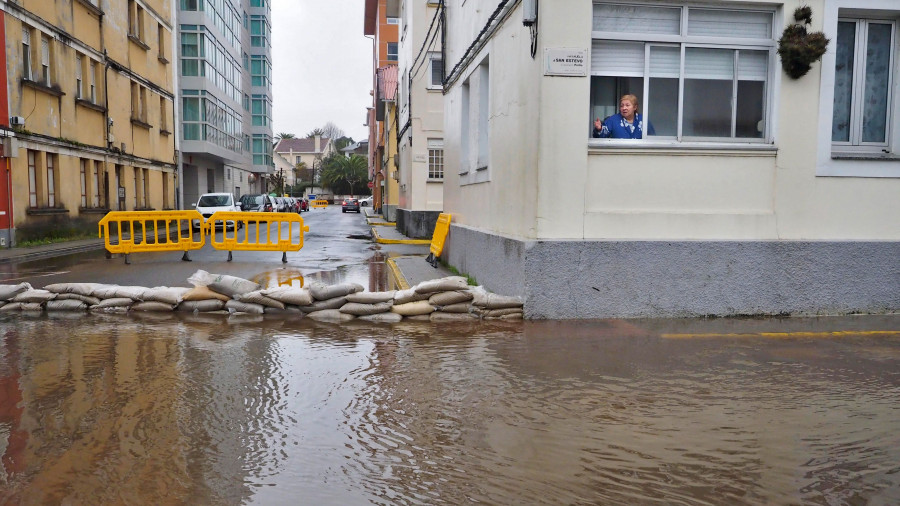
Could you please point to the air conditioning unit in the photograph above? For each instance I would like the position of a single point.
(16, 121)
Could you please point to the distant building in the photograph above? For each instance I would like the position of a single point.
(360, 148)
(91, 119)
(309, 151)
(381, 22)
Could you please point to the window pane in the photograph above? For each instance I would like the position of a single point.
(708, 84)
(843, 81)
(751, 93)
(605, 94)
(637, 19)
(875, 100)
(722, 23)
(437, 71)
(191, 109)
(662, 103)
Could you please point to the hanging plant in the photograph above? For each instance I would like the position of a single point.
(798, 48)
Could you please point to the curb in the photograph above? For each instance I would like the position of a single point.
(27, 256)
(381, 240)
(398, 275)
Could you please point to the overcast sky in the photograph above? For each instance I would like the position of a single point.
(321, 66)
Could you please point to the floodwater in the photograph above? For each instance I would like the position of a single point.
(193, 409)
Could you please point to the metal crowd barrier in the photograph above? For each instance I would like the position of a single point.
(273, 232)
(137, 236)
(319, 203)
(441, 229)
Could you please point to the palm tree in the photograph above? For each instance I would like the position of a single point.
(316, 131)
(350, 170)
(285, 135)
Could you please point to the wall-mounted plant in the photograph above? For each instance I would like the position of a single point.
(798, 48)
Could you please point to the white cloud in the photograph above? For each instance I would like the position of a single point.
(321, 66)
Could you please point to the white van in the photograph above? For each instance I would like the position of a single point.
(209, 203)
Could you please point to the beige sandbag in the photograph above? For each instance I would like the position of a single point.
(34, 307)
(330, 315)
(201, 306)
(257, 297)
(34, 295)
(85, 289)
(290, 295)
(494, 301)
(382, 318)
(292, 311)
(114, 302)
(9, 292)
(409, 295)
(223, 283)
(493, 313)
(66, 305)
(511, 316)
(152, 307)
(199, 293)
(358, 309)
(448, 298)
(322, 305)
(135, 293)
(442, 285)
(235, 306)
(166, 294)
(371, 297)
(462, 307)
(321, 291)
(440, 316)
(11, 307)
(413, 308)
(90, 301)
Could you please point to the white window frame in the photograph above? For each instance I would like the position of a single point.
(45, 61)
(27, 71)
(683, 41)
(93, 83)
(396, 53)
(432, 57)
(436, 160)
(50, 163)
(79, 77)
(84, 180)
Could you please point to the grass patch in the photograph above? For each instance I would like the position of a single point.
(469, 279)
(42, 241)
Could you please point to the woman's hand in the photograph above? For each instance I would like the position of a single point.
(598, 125)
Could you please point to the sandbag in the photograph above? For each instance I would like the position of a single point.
(413, 308)
(199, 293)
(489, 300)
(8, 292)
(322, 305)
(371, 297)
(511, 316)
(66, 305)
(493, 313)
(111, 309)
(330, 315)
(382, 318)
(442, 285)
(358, 309)
(152, 306)
(114, 302)
(462, 307)
(292, 311)
(90, 301)
(256, 297)
(418, 318)
(288, 295)
(223, 283)
(440, 316)
(135, 293)
(34, 295)
(202, 306)
(235, 306)
(448, 298)
(22, 306)
(11, 307)
(409, 295)
(165, 294)
(85, 289)
(321, 291)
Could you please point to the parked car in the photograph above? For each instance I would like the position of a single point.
(366, 201)
(210, 203)
(304, 205)
(279, 204)
(350, 205)
(256, 202)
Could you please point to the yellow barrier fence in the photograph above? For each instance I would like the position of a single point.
(441, 229)
(319, 203)
(145, 231)
(270, 232)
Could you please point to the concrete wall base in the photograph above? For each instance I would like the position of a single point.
(389, 212)
(630, 279)
(417, 224)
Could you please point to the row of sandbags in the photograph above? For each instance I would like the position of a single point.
(442, 299)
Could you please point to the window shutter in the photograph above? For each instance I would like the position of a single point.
(616, 58)
(753, 65)
(637, 19)
(704, 63)
(732, 24)
(665, 61)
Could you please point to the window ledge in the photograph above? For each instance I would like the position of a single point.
(141, 123)
(162, 59)
(46, 211)
(165, 132)
(434, 180)
(93, 9)
(90, 105)
(93, 210)
(671, 148)
(865, 156)
(50, 90)
(141, 44)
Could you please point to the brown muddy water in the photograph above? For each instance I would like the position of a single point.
(172, 409)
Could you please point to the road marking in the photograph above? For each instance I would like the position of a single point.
(840, 333)
(37, 275)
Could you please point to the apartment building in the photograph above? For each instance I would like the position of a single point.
(91, 119)
(225, 87)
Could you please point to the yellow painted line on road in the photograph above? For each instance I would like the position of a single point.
(395, 270)
(381, 240)
(788, 335)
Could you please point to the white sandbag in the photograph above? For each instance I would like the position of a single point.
(448, 298)
(85, 289)
(409, 295)
(152, 307)
(462, 307)
(11, 307)
(330, 315)
(357, 309)
(34, 295)
(135, 293)
(321, 291)
(512, 316)
(292, 311)
(289, 295)
(256, 297)
(165, 294)
(485, 299)
(413, 308)
(234, 306)
(199, 293)
(493, 313)
(322, 305)
(442, 285)
(202, 306)
(114, 302)
(223, 283)
(66, 305)
(440, 316)
(382, 318)
(8, 292)
(371, 297)
(90, 301)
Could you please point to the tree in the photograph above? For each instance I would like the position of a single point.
(281, 136)
(315, 132)
(332, 131)
(342, 142)
(276, 182)
(344, 173)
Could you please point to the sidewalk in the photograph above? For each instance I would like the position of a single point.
(8, 255)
